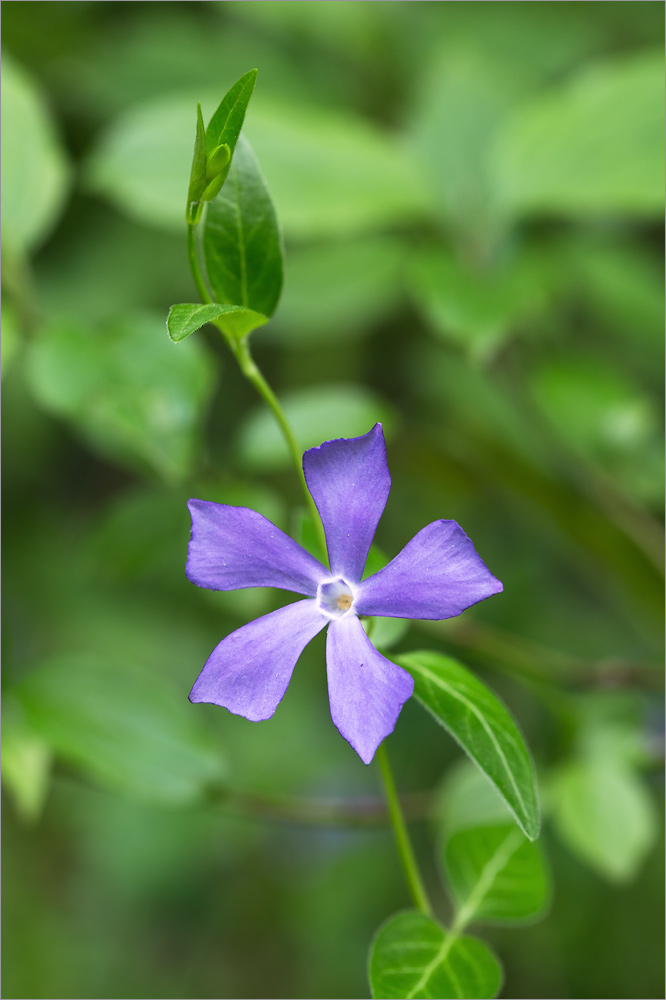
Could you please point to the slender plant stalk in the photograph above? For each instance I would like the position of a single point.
(252, 373)
(405, 850)
(249, 368)
(194, 264)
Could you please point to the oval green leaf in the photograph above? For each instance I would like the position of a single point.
(480, 723)
(242, 242)
(495, 874)
(127, 729)
(413, 957)
(235, 321)
(605, 815)
(35, 172)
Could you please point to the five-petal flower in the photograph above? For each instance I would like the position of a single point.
(437, 575)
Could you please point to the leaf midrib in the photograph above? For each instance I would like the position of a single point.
(241, 238)
(470, 705)
(487, 876)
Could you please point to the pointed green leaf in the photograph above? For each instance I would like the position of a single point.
(198, 172)
(414, 957)
(495, 874)
(477, 719)
(127, 728)
(242, 243)
(237, 322)
(225, 125)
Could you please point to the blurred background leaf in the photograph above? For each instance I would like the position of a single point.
(593, 148)
(131, 731)
(128, 388)
(35, 169)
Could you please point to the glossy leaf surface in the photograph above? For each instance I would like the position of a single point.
(480, 723)
(225, 125)
(242, 242)
(496, 874)
(237, 322)
(413, 957)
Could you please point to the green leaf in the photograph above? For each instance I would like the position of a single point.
(225, 125)
(26, 760)
(330, 174)
(237, 322)
(242, 242)
(413, 957)
(35, 172)
(466, 800)
(595, 146)
(141, 160)
(480, 723)
(198, 172)
(316, 414)
(128, 729)
(495, 874)
(127, 390)
(605, 815)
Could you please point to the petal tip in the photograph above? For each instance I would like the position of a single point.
(376, 430)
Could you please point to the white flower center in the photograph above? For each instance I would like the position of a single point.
(335, 597)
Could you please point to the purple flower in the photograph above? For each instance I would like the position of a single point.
(437, 575)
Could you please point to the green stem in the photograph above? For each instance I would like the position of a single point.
(252, 373)
(405, 850)
(248, 366)
(194, 264)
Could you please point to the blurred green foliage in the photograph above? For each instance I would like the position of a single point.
(471, 196)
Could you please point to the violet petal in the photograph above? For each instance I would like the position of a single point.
(235, 547)
(350, 482)
(437, 575)
(249, 671)
(366, 691)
